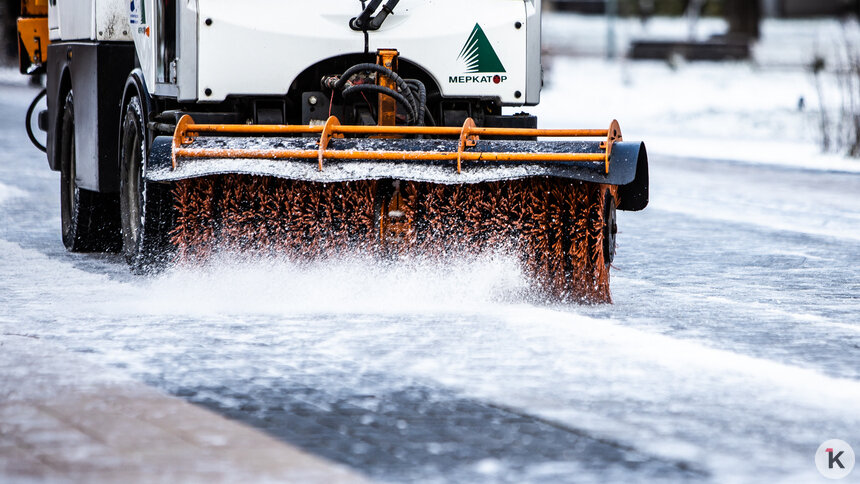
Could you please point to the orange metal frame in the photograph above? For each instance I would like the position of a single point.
(187, 131)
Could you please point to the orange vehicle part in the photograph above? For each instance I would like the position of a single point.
(32, 43)
(387, 105)
(187, 131)
(34, 8)
(33, 36)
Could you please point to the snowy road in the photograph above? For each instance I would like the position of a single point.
(731, 352)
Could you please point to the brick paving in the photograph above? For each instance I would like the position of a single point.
(65, 419)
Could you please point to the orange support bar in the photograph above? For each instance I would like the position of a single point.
(384, 155)
(274, 129)
(468, 134)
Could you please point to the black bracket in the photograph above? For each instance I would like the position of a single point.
(366, 21)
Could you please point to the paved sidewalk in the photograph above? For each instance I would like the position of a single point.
(65, 419)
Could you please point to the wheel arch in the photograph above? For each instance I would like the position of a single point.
(64, 86)
(135, 85)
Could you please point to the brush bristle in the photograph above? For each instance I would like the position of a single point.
(554, 226)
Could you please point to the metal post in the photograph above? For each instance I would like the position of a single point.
(611, 14)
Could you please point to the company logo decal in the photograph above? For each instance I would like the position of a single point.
(137, 9)
(479, 58)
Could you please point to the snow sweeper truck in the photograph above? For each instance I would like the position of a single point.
(182, 128)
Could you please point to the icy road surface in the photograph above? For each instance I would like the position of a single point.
(731, 352)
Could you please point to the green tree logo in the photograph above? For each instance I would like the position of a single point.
(478, 53)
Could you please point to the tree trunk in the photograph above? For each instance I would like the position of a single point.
(744, 17)
(9, 11)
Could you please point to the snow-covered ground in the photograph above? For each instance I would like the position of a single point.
(730, 354)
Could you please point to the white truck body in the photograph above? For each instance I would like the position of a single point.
(258, 47)
(102, 20)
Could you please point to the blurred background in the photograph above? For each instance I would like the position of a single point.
(768, 81)
(9, 11)
(769, 8)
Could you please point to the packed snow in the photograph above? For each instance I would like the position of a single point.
(8, 192)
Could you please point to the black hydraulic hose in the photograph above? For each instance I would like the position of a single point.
(416, 85)
(401, 84)
(366, 35)
(367, 66)
(29, 117)
(382, 90)
(411, 93)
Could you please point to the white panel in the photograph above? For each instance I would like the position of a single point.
(76, 19)
(89, 20)
(260, 46)
(53, 21)
(143, 28)
(112, 20)
(142, 24)
(534, 67)
(433, 33)
(186, 75)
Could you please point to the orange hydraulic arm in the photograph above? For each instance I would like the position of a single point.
(387, 105)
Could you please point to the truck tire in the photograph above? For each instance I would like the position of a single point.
(87, 222)
(145, 207)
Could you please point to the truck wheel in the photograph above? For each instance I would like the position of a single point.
(145, 207)
(87, 224)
